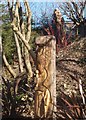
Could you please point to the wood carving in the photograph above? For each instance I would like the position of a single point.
(43, 98)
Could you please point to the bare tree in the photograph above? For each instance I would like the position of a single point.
(74, 11)
(22, 33)
(21, 26)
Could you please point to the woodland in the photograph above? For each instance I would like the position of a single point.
(42, 66)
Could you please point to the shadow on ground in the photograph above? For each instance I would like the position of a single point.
(22, 118)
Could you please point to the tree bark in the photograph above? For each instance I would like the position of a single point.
(19, 53)
(28, 34)
(9, 67)
(45, 95)
(19, 32)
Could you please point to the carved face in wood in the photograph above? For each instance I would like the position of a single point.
(58, 15)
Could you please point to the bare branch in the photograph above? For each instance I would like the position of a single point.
(19, 53)
(28, 34)
(13, 19)
(28, 14)
(15, 29)
(73, 10)
(9, 67)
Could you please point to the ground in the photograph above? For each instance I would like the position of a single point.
(71, 66)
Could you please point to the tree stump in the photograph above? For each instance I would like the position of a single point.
(0, 76)
(45, 90)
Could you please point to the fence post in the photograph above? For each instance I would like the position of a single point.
(45, 90)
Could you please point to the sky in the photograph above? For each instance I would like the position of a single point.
(42, 8)
(47, 0)
(85, 12)
(39, 7)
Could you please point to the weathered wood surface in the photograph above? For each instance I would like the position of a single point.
(0, 54)
(0, 76)
(45, 95)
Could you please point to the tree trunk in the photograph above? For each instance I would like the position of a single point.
(0, 76)
(28, 34)
(19, 53)
(45, 94)
(19, 33)
(0, 55)
(9, 67)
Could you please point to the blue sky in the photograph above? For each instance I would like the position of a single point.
(85, 12)
(40, 8)
(48, 0)
(43, 6)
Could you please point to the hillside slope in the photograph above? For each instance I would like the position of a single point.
(71, 66)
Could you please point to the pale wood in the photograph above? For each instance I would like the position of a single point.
(28, 34)
(19, 31)
(28, 64)
(82, 95)
(19, 53)
(53, 75)
(9, 67)
(14, 20)
(0, 55)
(28, 14)
(45, 95)
(22, 38)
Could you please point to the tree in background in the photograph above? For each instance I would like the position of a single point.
(74, 11)
(57, 28)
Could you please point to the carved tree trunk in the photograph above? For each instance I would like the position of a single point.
(0, 75)
(45, 95)
(0, 54)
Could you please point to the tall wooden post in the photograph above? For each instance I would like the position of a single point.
(45, 91)
(0, 76)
